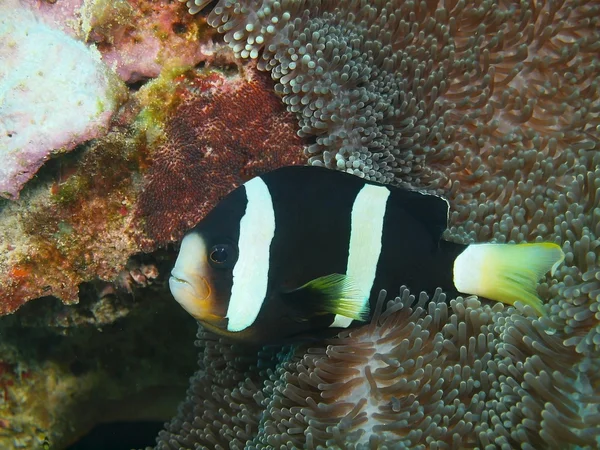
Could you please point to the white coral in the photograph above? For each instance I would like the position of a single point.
(55, 93)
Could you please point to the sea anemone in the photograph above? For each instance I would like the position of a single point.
(426, 373)
(494, 105)
(407, 91)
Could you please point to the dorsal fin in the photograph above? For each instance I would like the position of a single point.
(429, 209)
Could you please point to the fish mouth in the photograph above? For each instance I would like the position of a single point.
(176, 279)
(192, 293)
(199, 285)
(179, 285)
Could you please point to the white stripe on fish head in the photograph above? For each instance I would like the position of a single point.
(364, 248)
(251, 271)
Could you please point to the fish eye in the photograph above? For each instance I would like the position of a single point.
(222, 256)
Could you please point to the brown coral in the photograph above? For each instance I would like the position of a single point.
(64, 369)
(222, 133)
(73, 226)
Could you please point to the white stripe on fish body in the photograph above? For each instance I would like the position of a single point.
(251, 271)
(364, 248)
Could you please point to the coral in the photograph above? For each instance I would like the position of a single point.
(64, 369)
(494, 105)
(76, 225)
(220, 133)
(136, 38)
(54, 91)
(139, 38)
(137, 188)
(446, 375)
(64, 15)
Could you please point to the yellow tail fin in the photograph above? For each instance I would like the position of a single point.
(505, 272)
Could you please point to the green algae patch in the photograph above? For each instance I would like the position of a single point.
(70, 191)
(158, 99)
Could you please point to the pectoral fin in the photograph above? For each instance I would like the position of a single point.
(330, 294)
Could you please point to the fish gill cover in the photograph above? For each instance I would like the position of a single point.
(496, 106)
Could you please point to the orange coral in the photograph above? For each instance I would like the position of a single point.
(223, 132)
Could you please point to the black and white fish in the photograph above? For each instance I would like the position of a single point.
(303, 249)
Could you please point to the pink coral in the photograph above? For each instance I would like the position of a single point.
(64, 15)
(138, 38)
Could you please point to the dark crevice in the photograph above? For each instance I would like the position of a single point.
(119, 436)
(136, 85)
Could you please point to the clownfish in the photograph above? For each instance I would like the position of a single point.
(304, 248)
